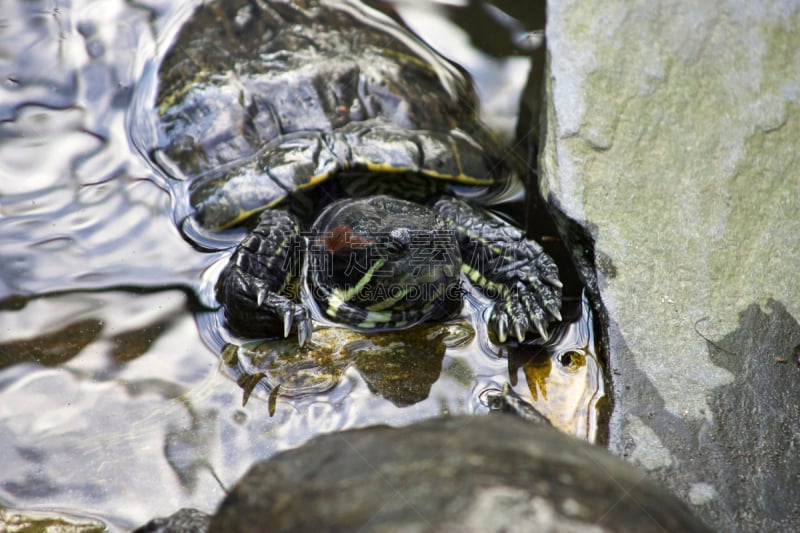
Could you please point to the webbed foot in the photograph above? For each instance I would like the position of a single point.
(521, 312)
(513, 271)
(528, 291)
(255, 286)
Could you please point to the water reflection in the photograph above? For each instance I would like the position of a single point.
(564, 379)
(82, 430)
(49, 521)
(51, 349)
(449, 367)
(400, 366)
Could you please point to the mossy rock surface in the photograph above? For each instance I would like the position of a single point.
(672, 139)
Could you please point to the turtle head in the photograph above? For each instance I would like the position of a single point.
(383, 263)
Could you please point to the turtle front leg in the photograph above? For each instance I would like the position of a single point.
(255, 288)
(508, 268)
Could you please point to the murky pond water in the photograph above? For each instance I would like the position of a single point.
(117, 398)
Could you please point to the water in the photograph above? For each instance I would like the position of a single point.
(115, 404)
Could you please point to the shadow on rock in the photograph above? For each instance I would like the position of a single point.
(757, 420)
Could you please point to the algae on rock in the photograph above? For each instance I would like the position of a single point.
(671, 136)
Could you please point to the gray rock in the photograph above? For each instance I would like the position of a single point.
(671, 137)
(481, 473)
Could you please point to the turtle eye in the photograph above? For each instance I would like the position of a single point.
(394, 248)
(397, 242)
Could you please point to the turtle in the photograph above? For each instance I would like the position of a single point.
(354, 157)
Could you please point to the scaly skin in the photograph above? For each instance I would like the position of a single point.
(511, 270)
(495, 256)
(254, 287)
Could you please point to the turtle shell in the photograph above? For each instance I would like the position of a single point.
(259, 100)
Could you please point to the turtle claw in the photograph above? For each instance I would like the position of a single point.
(297, 317)
(553, 280)
(519, 315)
(554, 311)
(540, 328)
(261, 295)
(519, 331)
(534, 302)
(288, 320)
(304, 329)
(501, 327)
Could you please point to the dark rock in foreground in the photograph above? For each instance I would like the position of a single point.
(486, 473)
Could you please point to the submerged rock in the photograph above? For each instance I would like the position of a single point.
(184, 521)
(480, 473)
(671, 137)
(22, 521)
